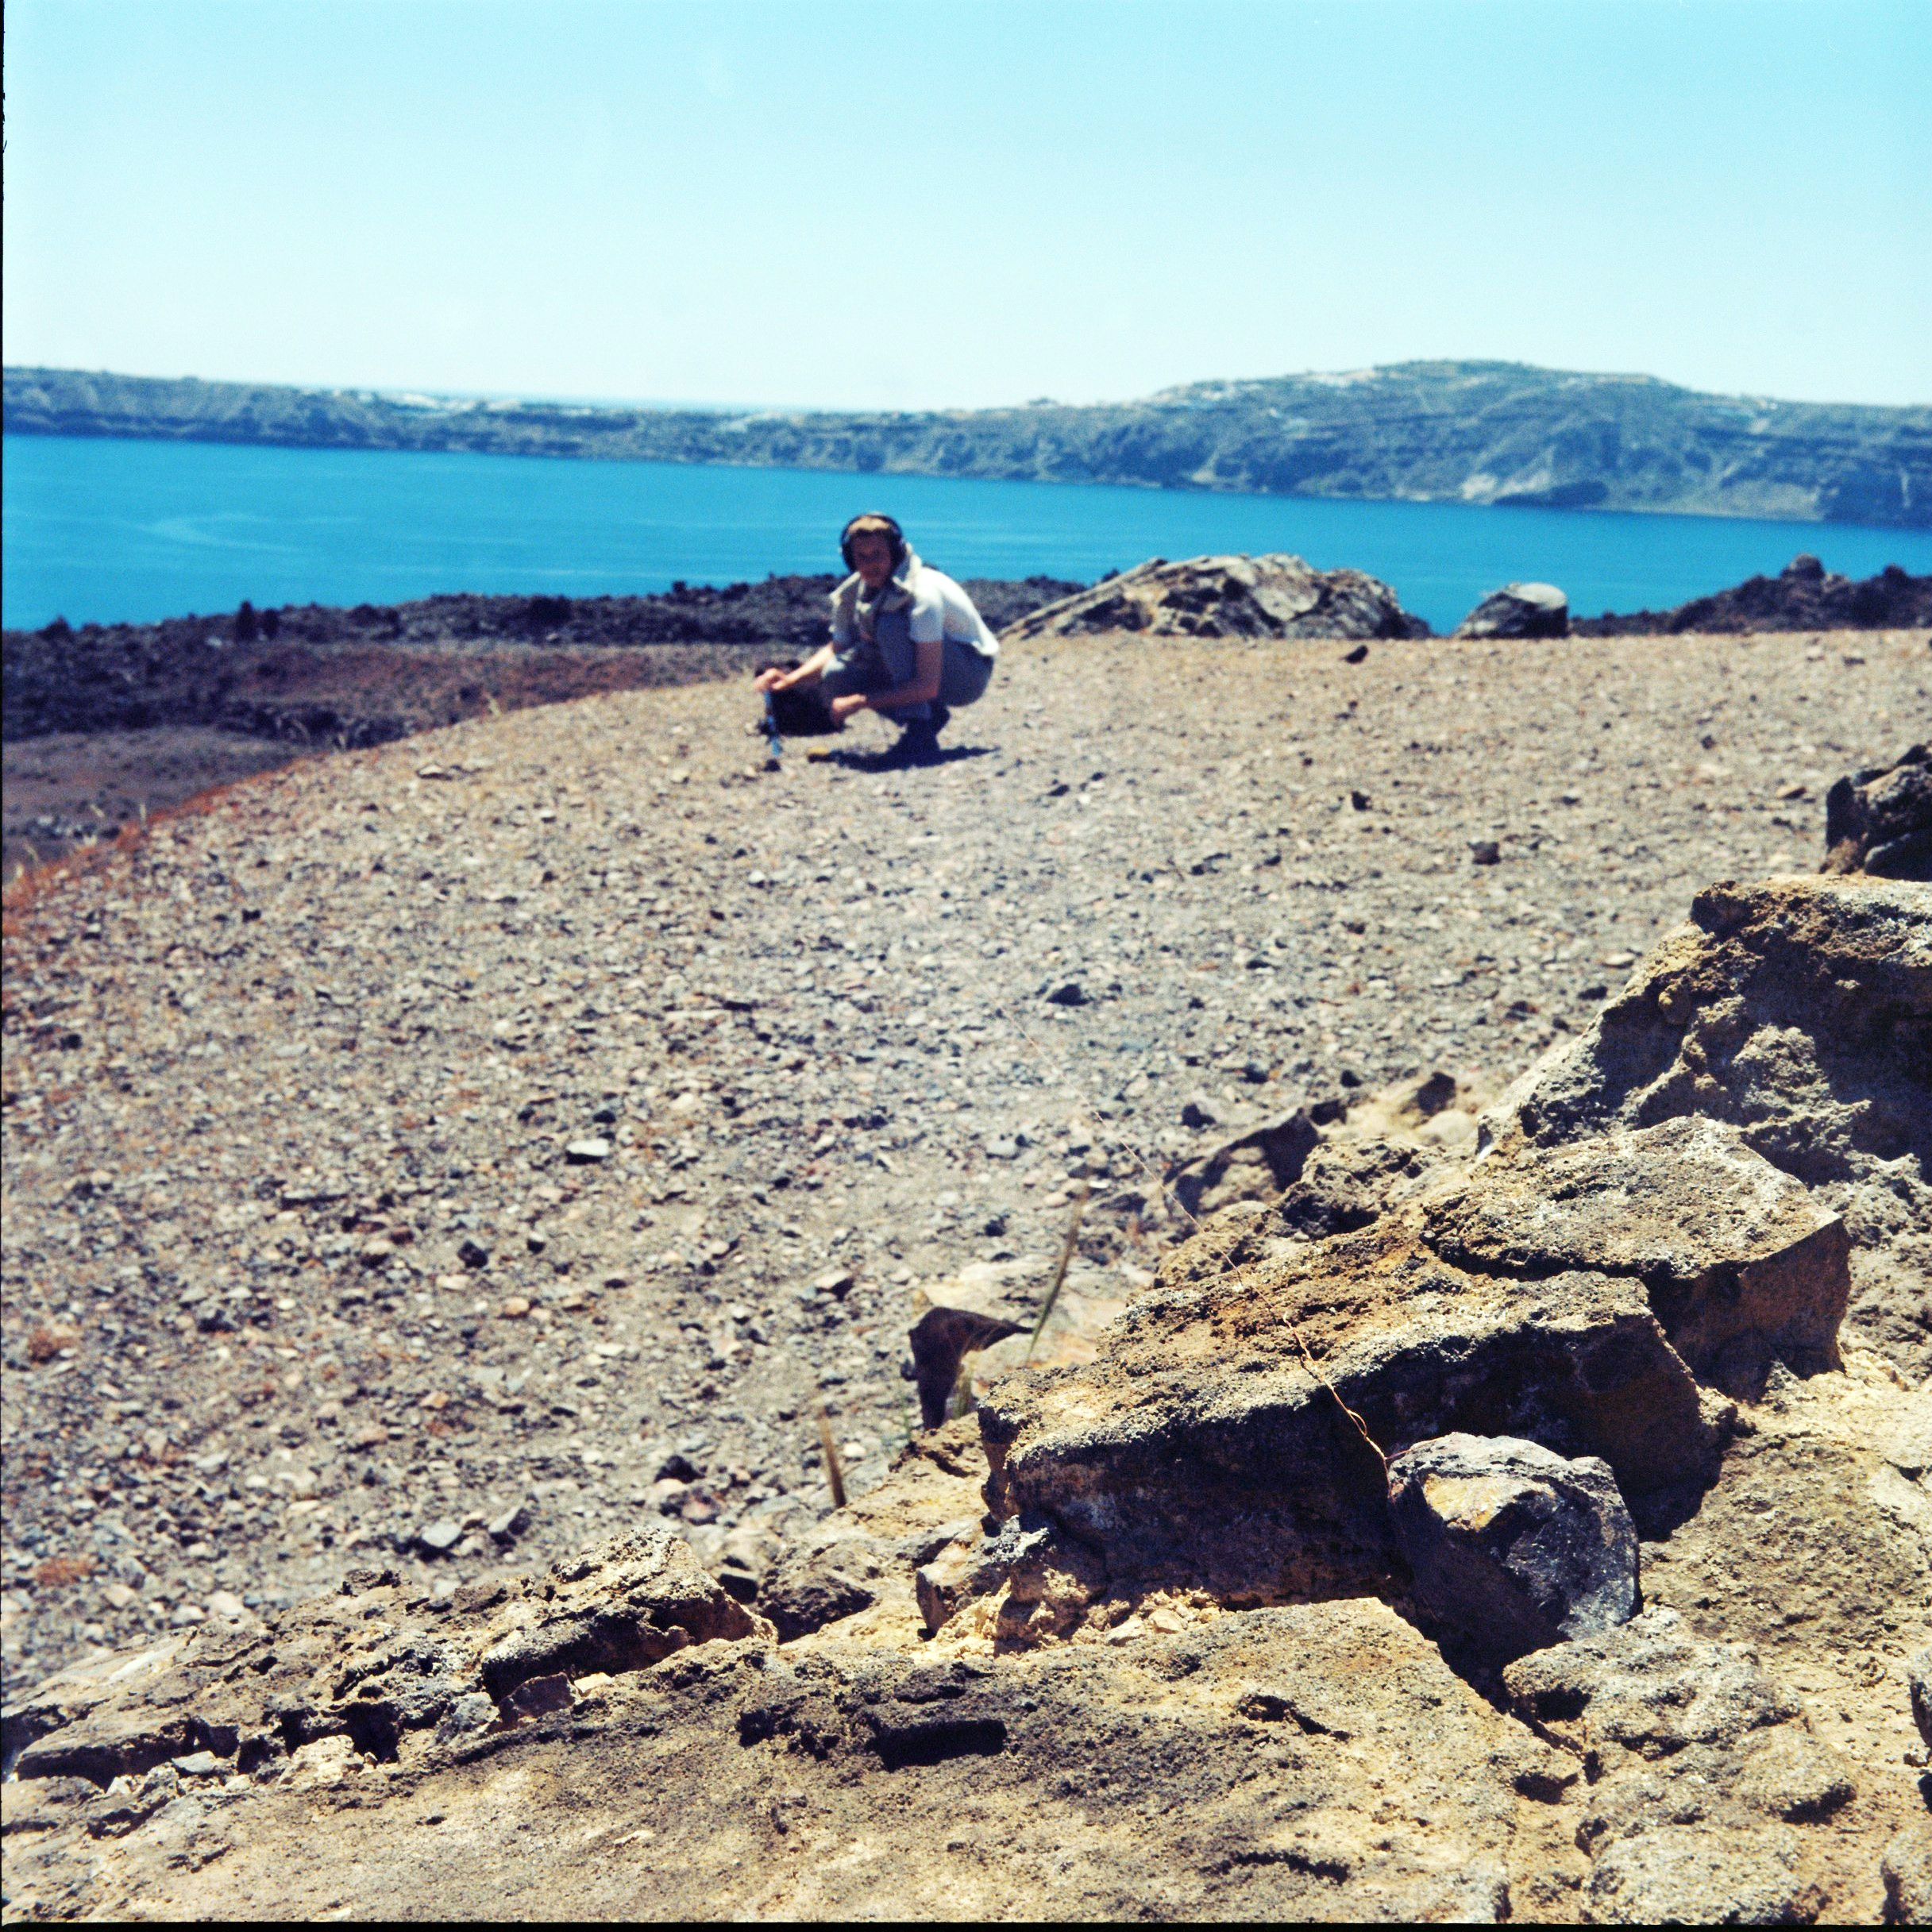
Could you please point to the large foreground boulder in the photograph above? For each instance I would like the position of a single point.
(1307, 1763)
(1271, 596)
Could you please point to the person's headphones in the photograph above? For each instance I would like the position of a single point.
(874, 516)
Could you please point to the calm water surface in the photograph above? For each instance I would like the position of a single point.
(101, 531)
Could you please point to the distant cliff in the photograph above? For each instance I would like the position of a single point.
(1453, 432)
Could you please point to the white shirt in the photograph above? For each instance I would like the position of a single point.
(941, 612)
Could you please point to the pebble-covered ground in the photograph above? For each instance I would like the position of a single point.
(436, 1155)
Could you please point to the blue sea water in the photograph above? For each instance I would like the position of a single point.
(106, 530)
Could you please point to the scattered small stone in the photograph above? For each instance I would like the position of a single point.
(508, 1525)
(439, 1538)
(585, 1153)
(537, 1697)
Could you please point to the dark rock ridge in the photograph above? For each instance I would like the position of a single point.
(1803, 596)
(1274, 595)
(1450, 432)
(311, 674)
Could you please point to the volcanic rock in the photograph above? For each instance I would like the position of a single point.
(372, 1664)
(1252, 1165)
(1518, 611)
(1799, 1011)
(1880, 821)
(1275, 596)
(1802, 596)
(1205, 1442)
(1727, 1246)
(1652, 1693)
(1907, 1870)
(1513, 1548)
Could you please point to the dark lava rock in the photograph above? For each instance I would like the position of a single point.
(1803, 596)
(311, 674)
(1513, 1546)
(1880, 821)
(1518, 611)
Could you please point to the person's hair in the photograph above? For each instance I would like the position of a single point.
(872, 523)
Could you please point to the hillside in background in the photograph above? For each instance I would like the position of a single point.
(1470, 431)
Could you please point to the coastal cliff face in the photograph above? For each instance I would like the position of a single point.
(1444, 432)
(1476, 1465)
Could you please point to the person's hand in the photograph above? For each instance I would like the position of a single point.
(843, 708)
(771, 679)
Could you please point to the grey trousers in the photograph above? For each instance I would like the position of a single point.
(891, 660)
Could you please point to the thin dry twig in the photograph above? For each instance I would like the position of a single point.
(1059, 1272)
(1380, 1454)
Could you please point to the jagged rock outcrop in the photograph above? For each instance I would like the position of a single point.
(1274, 595)
(1518, 611)
(1880, 821)
(1802, 596)
(372, 1664)
(1306, 1762)
(1651, 1710)
(1799, 1012)
(863, 1554)
(1254, 1163)
(1203, 1444)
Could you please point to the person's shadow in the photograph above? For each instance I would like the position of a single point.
(892, 760)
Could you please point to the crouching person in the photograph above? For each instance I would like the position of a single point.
(906, 642)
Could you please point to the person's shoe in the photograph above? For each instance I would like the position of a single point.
(919, 744)
(939, 716)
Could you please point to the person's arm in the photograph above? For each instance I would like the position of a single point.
(809, 673)
(929, 665)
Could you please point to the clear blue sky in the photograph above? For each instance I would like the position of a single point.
(908, 204)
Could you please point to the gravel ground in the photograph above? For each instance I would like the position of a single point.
(438, 1154)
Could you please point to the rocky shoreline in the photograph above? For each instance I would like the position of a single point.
(561, 1134)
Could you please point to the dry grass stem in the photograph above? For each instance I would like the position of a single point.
(835, 1466)
(1060, 1268)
